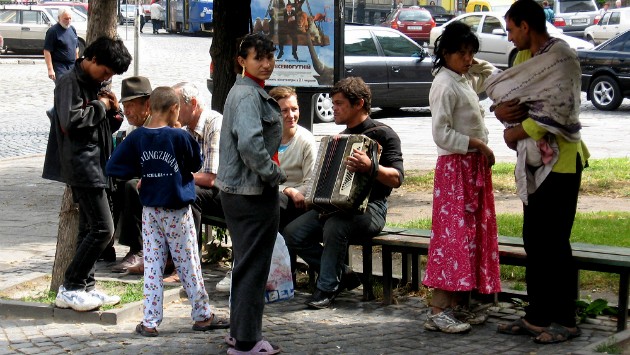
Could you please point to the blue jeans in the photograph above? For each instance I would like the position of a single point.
(96, 228)
(306, 233)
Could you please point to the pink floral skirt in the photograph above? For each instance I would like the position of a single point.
(464, 251)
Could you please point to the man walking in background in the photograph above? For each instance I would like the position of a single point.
(61, 46)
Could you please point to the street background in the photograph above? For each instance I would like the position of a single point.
(29, 209)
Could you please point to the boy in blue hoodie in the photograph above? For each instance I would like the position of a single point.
(165, 158)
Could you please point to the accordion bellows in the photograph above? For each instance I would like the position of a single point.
(332, 186)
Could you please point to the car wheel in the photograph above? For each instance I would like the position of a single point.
(324, 108)
(590, 40)
(605, 93)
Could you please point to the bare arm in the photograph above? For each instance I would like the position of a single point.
(49, 66)
(514, 134)
(511, 111)
(483, 148)
(360, 162)
(204, 179)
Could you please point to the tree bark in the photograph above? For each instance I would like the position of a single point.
(66, 238)
(102, 22)
(232, 21)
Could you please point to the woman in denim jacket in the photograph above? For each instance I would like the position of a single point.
(248, 179)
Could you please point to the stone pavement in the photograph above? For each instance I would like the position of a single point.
(28, 227)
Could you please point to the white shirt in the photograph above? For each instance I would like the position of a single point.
(456, 113)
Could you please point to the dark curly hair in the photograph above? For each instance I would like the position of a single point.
(109, 52)
(456, 35)
(354, 89)
(263, 46)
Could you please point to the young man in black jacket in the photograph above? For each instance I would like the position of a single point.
(79, 144)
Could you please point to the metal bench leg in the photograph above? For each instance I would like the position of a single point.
(415, 280)
(387, 275)
(368, 293)
(622, 310)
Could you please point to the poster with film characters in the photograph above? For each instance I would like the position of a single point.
(303, 33)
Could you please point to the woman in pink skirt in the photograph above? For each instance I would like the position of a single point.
(463, 254)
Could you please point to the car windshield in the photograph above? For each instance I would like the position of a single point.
(414, 15)
(127, 8)
(577, 6)
(76, 16)
(436, 10)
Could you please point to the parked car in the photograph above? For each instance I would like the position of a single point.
(500, 6)
(397, 69)
(574, 16)
(24, 27)
(606, 72)
(81, 7)
(413, 21)
(78, 17)
(493, 41)
(439, 14)
(613, 22)
(127, 14)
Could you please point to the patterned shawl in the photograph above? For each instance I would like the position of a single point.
(549, 84)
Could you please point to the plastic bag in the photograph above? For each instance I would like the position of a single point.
(280, 280)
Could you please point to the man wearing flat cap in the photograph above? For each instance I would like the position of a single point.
(134, 96)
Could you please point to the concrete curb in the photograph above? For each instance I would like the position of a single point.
(33, 310)
(616, 338)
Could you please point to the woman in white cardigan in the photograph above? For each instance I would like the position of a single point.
(296, 154)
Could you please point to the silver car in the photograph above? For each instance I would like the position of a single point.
(24, 27)
(612, 23)
(493, 40)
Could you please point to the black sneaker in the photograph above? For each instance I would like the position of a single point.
(320, 299)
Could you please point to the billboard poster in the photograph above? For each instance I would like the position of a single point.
(303, 32)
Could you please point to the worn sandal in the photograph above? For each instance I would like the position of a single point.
(230, 341)
(215, 323)
(142, 330)
(518, 327)
(262, 347)
(558, 334)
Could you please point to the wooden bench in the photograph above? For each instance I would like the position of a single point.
(414, 242)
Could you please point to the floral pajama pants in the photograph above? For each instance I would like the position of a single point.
(165, 229)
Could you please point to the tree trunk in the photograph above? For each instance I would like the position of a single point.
(66, 238)
(232, 21)
(102, 22)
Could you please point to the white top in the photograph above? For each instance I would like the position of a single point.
(455, 110)
(298, 160)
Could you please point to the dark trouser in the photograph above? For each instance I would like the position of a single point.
(306, 233)
(253, 225)
(96, 228)
(207, 202)
(61, 68)
(156, 25)
(129, 224)
(551, 275)
(289, 213)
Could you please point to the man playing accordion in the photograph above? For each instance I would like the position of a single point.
(351, 106)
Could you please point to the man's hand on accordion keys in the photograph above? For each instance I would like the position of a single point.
(358, 161)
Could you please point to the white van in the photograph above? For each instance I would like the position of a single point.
(573, 16)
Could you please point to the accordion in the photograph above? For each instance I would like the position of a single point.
(332, 186)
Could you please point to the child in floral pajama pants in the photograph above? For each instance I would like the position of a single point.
(165, 229)
(165, 157)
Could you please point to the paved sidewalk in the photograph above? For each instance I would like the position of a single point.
(28, 228)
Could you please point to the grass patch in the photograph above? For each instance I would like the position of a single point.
(603, 228)
(604, 177)
(129, 292)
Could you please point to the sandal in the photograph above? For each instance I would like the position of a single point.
(144, 331)
(518, 327)
(262, 347)
(215, 323)
(230, 341)
(558, 334)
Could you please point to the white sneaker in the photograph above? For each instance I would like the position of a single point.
(78, 300)
(226, 284)
(445, 322)
(105, 299)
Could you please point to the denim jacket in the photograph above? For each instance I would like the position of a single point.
(250, 135)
